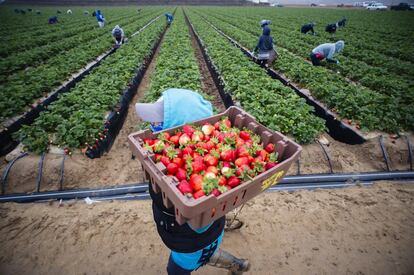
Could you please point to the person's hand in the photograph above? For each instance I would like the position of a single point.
(337, 61)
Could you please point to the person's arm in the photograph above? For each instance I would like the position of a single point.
(312, 30)
(329, 57)
(258, 45)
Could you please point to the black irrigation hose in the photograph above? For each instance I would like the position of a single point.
(327, 157)
(62, 172)
(39, 175)
(384, 153)
(7, 170)
(410, 152)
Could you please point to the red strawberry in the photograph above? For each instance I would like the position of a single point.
(175, 140)
(149, 142)
(157, 157)
(239, 142)
(165, 160)
(216, 192)
(210, 160)
(185, 187)
(207, 129)
(242, 152)
(217, 125)
(198, 194)
(242, 161)
(210, 145)
(196, 182)
(212, 169)
(198, 166)
(270, 148)
(226, 164)
(159, 146)
(188, 130)
(263, 154)
(233, 181)
(197, 136)
(181, 174)
(227, 154)
(178, 161)
(244, 135)
(270, 165)
(172, 168)
(179, 153)
(187, 151)
(184, 139)
(222, 181)
(226, 122)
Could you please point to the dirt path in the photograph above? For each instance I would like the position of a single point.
(348, 231)
(207, 82)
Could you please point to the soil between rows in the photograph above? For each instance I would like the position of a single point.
(117, 167)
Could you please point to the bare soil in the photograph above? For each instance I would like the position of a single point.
(356, 230)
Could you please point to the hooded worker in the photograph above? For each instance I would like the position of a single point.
(326, 51)
(266, 53)
(264, 23)
(53, 20)
(118, 35)
(190, 247)
(100, 18)
(308, 28)
(169, 17)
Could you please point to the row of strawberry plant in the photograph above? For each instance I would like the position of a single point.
(78, 117)
(23, 88)
(21, 40)
(175, 69)
(359, 30)
(33, 56)
(273, 104)
(365, 108)
(360, 64)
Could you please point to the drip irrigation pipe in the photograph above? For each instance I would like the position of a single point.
(289, 183)
(327, 156)
(7, 170)
(76, 194)
(62, 172)
(384, 153)
(410, 152)
(39, 174)
(337, 129)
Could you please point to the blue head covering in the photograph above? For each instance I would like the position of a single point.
(184, 106)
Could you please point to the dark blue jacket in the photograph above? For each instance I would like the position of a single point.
(265, 41)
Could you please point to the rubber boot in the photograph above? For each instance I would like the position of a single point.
(223, 259)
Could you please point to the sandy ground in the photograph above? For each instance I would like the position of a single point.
(359, 230)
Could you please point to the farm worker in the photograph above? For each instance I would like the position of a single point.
(100, 18)
(265, 23)
(169, 17)
(267, 53)
(58, 12)
(327, 51)
(190, 247)
(342, 22)
(308, 27)
(331, 28)
(69, 11)
(38, 12)
(53, 20)
(118, 35)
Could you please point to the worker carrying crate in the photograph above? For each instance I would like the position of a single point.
(197, 175)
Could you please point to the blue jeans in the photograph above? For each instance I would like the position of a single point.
(184, 263)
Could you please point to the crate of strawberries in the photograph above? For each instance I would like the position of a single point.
(208, 168)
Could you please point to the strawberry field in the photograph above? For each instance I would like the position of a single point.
(206, 50)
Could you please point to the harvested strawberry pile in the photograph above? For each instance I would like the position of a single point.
(211, 159)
